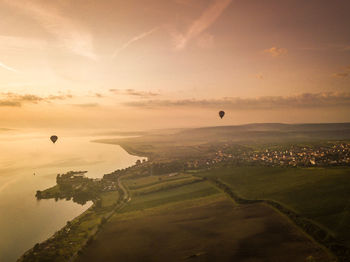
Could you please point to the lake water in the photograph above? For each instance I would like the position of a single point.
(25, 221)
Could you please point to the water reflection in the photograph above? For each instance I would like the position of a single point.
(25, 221)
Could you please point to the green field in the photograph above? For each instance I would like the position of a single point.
(322, 195)
(109, 199)
(151, 184)
(147, 181)
(196, 190)
(210, 228)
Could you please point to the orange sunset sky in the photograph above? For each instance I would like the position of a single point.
(173, 63)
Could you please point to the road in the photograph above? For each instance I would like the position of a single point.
(126, 196)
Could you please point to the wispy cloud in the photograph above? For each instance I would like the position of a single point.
(276, 51)
(306, 100)
(346, 48)
(133, 92)
(345, 73)
(133, 40)
(16, 43)
(205, 41)
(68, 33)
(17, 100)
(207, 18)
(259, 76)
(22, 98)
(341, 75)
(58, 97)
(86, 105)
(4, 66)
(9, 103)
(186, 2)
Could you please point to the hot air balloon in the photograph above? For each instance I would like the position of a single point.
(53, 139)
(221, 114)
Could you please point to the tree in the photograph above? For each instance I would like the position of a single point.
(36, 247)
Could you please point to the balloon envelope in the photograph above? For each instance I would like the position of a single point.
(53, 139)
(221, 114)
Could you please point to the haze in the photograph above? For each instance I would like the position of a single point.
(151, 64)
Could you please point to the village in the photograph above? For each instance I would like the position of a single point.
(337, 154)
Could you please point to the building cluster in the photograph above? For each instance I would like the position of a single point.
(77, 181)
(208, 161)
(337, 154)
(332, 155)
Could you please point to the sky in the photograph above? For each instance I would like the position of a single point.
(147, 64)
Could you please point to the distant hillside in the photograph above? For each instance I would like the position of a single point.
(270, 132)
(189, 142)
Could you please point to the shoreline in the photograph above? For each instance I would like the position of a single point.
(128, 148)
(68, 232)
(104, 216)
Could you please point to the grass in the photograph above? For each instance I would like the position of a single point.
(210, 228)
(190, 191)
(109, 198)
(141, 182)
(165, 185)
(322, 195)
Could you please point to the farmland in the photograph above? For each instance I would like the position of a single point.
(199, 221)
(319, 194)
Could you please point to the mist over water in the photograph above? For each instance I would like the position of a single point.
(30, 162)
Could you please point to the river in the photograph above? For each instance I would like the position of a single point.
(31, 162)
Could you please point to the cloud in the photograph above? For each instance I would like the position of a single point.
(8, 67)
(23, 98)
(86, 105)
(15, 44)
(205, 41)
(9, 103)
(186, 2)
(306, 100)
(133, 92)
(67, 32)
(132, 40)
(259, 76)
(207, 18)
(17, 100)
(276, 51)
(58, 97)
(341, 75)
(344, 74)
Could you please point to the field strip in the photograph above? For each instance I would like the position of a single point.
(202, 201)
(316, 232)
